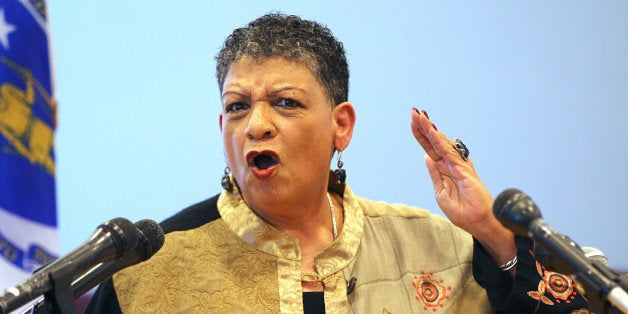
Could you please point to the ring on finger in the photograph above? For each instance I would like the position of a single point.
(462, 149)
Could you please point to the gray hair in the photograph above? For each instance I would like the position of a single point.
(289, 36)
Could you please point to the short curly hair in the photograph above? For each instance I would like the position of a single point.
(296, 39)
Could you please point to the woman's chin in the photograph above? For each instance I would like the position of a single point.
(265, 193)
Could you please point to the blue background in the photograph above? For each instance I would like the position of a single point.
(537, 90)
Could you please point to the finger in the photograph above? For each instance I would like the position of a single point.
(446, 189)
(438, 146)
(435, 143)
(435, 174)
(445, 149)
(452, 162)
(421, 126)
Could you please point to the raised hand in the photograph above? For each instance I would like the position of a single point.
(458, 189)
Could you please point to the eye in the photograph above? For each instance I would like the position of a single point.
(288, 103)
(235, 107)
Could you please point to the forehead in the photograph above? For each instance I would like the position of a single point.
(251, 72)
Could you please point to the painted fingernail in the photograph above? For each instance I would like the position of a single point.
(416, 110)
(425, 113)
(434, 126)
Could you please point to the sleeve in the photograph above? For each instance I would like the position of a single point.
(104, 299)
(533, 289)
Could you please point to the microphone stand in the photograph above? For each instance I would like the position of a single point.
(606, 288)
(617, 297)
(58, 299)
(609, 286)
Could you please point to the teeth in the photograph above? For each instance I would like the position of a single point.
(264, 161)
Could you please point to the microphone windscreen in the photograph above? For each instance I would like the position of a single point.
(516, 211)
(154, 238)
(502, 199)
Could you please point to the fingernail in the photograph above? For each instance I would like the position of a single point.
(425, 113)
(434, 126)
(416, 110)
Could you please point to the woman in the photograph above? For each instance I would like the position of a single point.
(288, 235)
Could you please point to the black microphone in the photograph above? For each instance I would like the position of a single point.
(110, 241)
(151, 239)
(517, 212)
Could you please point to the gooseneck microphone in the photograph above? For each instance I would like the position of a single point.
(111, 240)
(151, 239)
(517, 212)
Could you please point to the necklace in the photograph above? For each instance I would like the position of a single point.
(333, 217)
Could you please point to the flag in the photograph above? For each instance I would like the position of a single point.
(28, 218)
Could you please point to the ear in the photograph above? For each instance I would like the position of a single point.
(220, 121)
(344, 120)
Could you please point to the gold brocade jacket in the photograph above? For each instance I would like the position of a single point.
(402, 259)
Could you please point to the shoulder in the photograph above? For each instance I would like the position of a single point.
(187, 233)
(187, 251)
(376, 209)
(193, 216)
(401, 220)
(106, 298)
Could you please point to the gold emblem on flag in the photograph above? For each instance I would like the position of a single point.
(27, 134)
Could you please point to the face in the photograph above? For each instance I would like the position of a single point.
(279, 131)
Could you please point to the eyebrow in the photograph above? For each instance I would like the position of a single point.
(288, 88)
(273, 92)
(227, 92)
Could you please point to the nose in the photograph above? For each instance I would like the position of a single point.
(260, 124)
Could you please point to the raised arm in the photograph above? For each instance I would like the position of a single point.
(459, 191)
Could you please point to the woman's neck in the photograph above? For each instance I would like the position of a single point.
(309, 220)
(306, 217)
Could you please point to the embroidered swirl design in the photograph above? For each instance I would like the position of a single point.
(431, 292)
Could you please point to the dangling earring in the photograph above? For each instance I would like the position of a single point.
(340, 174)
(225, 181)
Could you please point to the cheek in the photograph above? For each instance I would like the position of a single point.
(230, 143)
(315, 140)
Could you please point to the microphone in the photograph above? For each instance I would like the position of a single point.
(110, 241)
(517, 212)
(151, 239)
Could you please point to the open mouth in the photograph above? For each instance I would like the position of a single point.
(264, 161)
